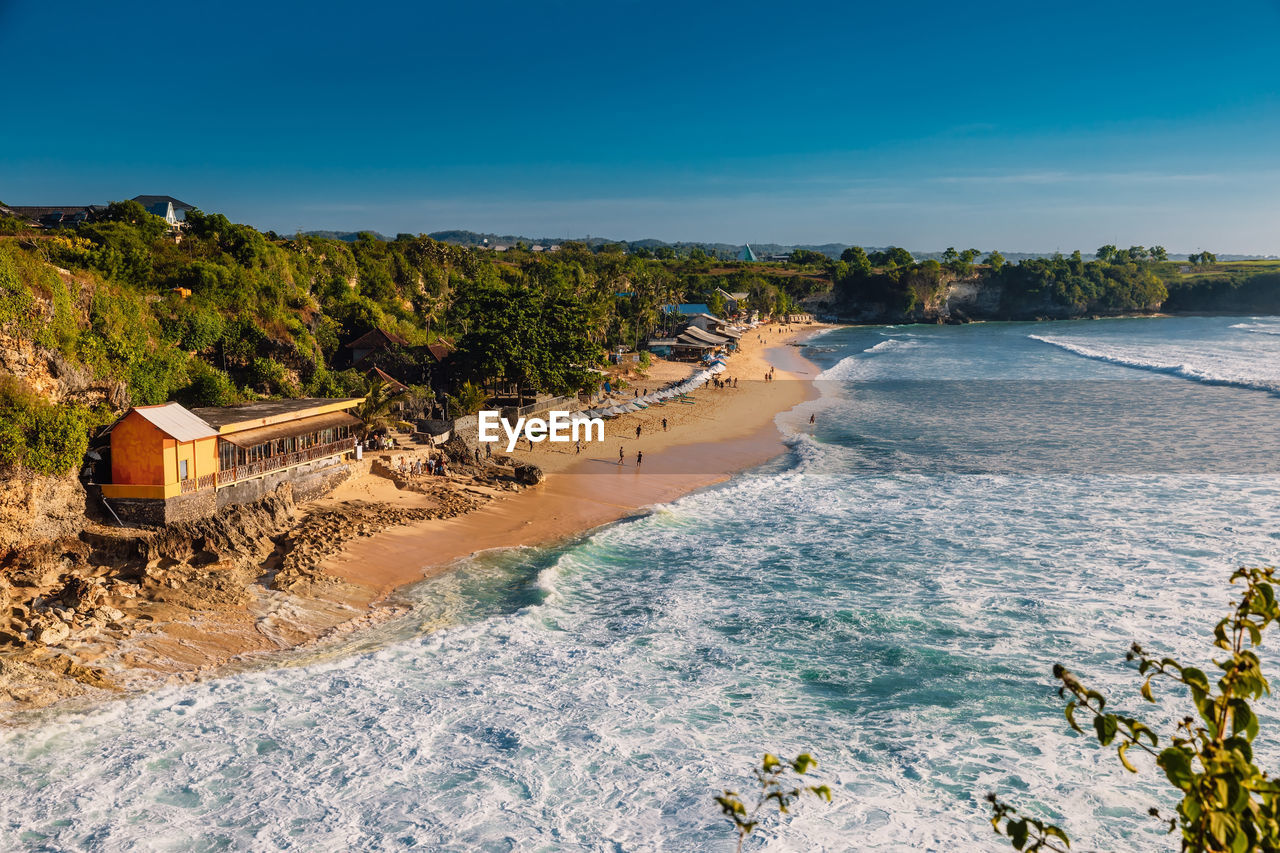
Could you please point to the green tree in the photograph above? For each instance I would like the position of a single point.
(995, 260)
(148, 224)
(1227, 802)
(807, 257)
(469, 399)
(1158, 253)
(892, 257)
(856, 258)
(375, 409)
(1106, 253)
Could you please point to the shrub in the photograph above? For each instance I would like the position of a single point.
(39, 436)
(17, 302)
(270, 377)
(1228, 801)
(208, 386)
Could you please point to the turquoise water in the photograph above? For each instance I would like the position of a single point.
(972, 505)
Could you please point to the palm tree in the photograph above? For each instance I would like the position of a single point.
(375, 409)
(469, 400)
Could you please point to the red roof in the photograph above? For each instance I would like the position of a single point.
(389, 379)
(375, 338)
(441, 349)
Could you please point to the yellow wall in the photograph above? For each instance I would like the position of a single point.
(142, 455)
(137, 453)
(206, 456)
(188, 452)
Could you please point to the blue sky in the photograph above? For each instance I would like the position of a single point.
(1017, 126)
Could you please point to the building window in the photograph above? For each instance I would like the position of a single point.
(182, 469)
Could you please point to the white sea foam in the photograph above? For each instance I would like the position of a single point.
(1258, 328)
(1211, 368)
(891, 343)
(900, 625)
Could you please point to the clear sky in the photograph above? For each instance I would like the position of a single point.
(1010, 125)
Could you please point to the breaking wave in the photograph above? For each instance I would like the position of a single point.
(1210, 369)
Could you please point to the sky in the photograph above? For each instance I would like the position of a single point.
(1015, 126)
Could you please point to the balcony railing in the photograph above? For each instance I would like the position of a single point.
(208, 481)
(284, 460)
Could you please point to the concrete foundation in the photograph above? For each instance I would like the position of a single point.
(309, 481)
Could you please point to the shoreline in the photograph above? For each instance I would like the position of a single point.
(584, 492)
(725, 432)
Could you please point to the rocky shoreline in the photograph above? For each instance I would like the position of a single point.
(113, 609)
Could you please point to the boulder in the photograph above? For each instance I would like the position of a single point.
(529, 475)
(53, 633)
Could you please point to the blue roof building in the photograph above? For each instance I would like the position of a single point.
(688, 309)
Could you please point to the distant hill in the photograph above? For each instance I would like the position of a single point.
(346, 236)
(682, 247)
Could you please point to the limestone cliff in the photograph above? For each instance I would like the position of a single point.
(36, 509)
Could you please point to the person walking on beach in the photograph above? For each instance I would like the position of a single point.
(813, 418)
(637, 431)
(619, 454)
(577, 446)
(639, 457)
(664, 424)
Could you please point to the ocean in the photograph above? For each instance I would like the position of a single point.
(971, 505)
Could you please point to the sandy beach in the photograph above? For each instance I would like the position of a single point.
(724, 431)
(228, 614)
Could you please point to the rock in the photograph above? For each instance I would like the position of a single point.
(529, 475)
(53, 634)
(111, 614)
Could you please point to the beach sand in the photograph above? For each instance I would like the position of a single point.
(724, 431)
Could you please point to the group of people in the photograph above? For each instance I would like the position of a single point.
(768, 377)
(435, 466)
(724, 383)
(379, 442)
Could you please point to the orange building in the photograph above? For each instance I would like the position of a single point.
(161, 451)
(169, 463)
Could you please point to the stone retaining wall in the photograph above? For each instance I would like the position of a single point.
(310, 481)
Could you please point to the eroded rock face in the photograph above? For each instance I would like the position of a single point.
(236, 532)
(36, 509)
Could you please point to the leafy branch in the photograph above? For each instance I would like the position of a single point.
(780, 784)
(1228, 803)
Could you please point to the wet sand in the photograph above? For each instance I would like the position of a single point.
(726, 431)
